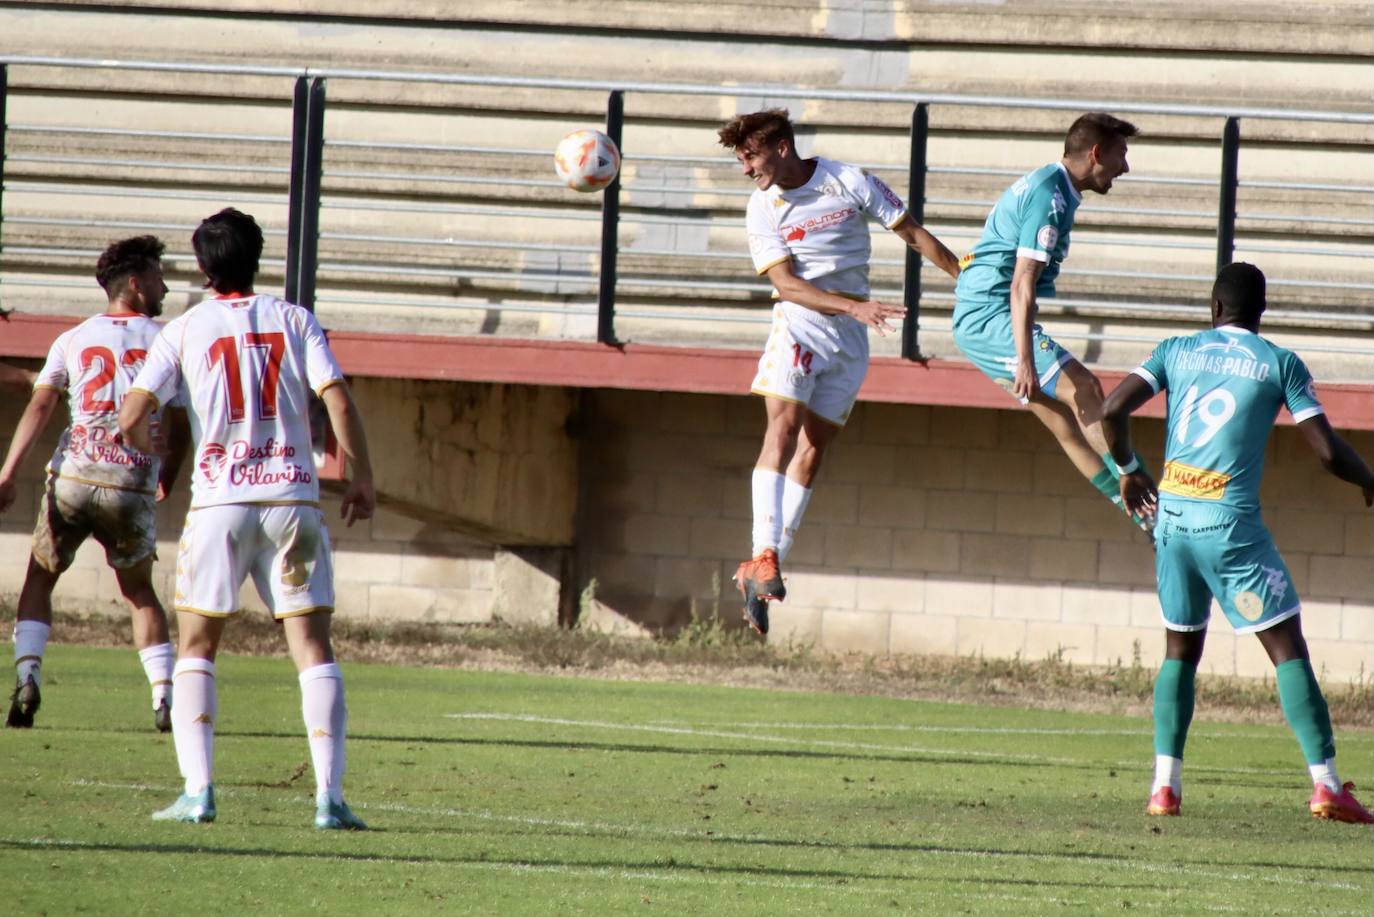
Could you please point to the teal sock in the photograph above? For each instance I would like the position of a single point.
(1174, 698)
(1305, 709)
(1105, 481)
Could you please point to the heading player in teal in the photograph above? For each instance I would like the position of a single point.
(1225, 389)
(1014, 264)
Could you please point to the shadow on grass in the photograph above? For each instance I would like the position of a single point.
(554, 864)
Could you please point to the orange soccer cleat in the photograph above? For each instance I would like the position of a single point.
(1164, 801)
(760, 581)
(1342, 806)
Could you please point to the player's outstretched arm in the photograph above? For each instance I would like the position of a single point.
(1138, 491)
(792, 288)
(134, 416)
(1338, 456)
(359, 498)
(931, 248)
(42, 404)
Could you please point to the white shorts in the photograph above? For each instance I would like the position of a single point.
(818, 361)
(285, 548)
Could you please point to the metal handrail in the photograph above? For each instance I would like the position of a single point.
(690, 89)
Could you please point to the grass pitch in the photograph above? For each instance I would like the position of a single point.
(529, 794)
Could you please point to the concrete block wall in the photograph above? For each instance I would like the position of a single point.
(391, 568)
(939, 530)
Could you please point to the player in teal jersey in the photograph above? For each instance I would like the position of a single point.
(1014, 264)
(1225, 389)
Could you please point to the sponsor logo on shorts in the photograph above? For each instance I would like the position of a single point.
(1187, 481)
(212, 460)
(1047, 237)
(1250, 605)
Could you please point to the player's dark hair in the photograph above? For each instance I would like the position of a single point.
(1094, 128)
(228, 246)
(1239, 288)
(764, 128)
(124, 258)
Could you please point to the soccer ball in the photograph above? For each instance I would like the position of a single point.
(586, 160)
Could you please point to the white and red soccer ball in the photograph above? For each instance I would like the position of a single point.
(586, 160)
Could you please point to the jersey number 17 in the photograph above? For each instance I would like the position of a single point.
(224, 352)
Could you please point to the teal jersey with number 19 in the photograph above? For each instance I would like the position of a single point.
(1225, 388)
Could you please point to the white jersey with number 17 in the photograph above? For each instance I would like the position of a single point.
(246, 366)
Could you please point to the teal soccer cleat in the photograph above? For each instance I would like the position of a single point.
(337, 816)
(199, 808)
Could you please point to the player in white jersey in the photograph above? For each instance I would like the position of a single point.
(247, 363)
(96, 485)
(808, 234)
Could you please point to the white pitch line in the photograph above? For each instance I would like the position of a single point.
(661, 726)
(658, 832)
(755, 737)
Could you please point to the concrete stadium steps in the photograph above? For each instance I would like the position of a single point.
(391, 206)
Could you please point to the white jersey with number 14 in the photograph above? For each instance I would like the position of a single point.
(246, 367)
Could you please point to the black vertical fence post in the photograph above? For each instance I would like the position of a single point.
(300, 110)
(4, 119)
(1230, 181)
(303, 213)
(610, 226)
(310, 204)
(916, 210)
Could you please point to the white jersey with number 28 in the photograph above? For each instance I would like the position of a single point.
(246, 366)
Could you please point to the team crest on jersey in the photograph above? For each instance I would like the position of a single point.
(212, 460)
(1057, 206)
(1047, 237)
(76, 440)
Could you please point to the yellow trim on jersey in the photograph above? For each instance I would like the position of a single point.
(299, 612)
(51, 388)
(157, 405)
(898, 222)
(852, 297)
(768, 267)
(108, 486)
(328, 385)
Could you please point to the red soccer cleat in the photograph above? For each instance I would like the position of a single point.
(1342, 806)
(1164, 801)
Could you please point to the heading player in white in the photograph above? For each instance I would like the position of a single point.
(248, 363)
(96, 484)
(809, 235)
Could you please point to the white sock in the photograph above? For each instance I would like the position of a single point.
(1168, 772)
(768, 490)
(1325, 773)
(326, 721)
(30, 640)
(794, 500)
(157, 665)
(193, 721)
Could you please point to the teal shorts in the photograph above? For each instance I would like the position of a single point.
(983, 333)
(1204, 551)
